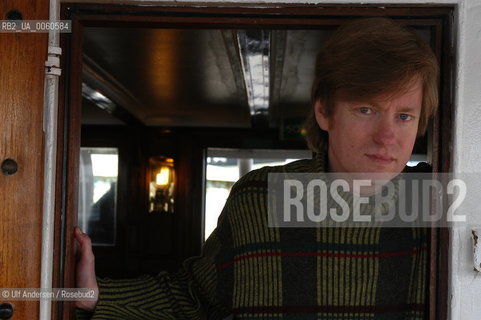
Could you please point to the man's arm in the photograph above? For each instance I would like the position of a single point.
(189, 293)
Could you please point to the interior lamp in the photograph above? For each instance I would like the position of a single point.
(161, 184)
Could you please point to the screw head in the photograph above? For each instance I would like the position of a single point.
(9, 167)
(6, 311)
(14, 15)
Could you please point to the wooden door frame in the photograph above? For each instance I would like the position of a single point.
(282, 16)
(22, 82)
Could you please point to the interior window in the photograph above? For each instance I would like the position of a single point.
(98, 194)
(225, 166)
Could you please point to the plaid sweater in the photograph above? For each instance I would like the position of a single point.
(250, 271)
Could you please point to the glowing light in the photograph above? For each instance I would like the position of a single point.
(162, 178)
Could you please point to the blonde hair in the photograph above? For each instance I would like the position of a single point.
(368, 57)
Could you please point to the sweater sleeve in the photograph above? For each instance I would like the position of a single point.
(200, 290)
(187, 294)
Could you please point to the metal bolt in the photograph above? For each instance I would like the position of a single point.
(14, 15)
(6, 311)
(9, 167)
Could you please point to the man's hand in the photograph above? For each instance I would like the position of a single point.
(85, 277)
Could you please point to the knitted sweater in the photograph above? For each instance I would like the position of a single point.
(251, 271)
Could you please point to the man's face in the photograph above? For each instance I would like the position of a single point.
(372, 136)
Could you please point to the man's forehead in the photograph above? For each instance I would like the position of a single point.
(407, 94)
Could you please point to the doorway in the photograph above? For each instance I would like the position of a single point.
(176, 76)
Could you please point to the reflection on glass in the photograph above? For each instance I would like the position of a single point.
(98, 175)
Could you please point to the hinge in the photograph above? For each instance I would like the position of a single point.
(476, 234)
(52, 65)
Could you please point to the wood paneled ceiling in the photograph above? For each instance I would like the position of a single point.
(195, 77)
(201, 77)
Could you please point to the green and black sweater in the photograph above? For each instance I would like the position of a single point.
(250, 271)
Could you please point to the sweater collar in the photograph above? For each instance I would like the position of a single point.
(321, 165)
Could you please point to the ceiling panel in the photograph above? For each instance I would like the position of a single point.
(193, 77)
(178, 77)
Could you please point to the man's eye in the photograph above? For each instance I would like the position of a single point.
(405, 117)
(365, 110)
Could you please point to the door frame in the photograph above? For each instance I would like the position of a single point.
(282, 16)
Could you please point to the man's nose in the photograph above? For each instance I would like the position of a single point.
(385, 133)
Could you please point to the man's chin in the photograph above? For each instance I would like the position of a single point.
(377, 172)
(368, 174)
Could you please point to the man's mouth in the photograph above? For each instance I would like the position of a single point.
(380, 158)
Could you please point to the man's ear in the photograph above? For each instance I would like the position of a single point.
(321, 118)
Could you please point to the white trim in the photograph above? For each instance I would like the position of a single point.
(50, 132)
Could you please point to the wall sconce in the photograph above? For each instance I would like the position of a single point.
(161, 184)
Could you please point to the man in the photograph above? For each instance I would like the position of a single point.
(375, 88)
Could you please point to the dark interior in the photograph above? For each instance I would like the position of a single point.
(177, 92)
(175, 81)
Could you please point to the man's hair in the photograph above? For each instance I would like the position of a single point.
(368, 57)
